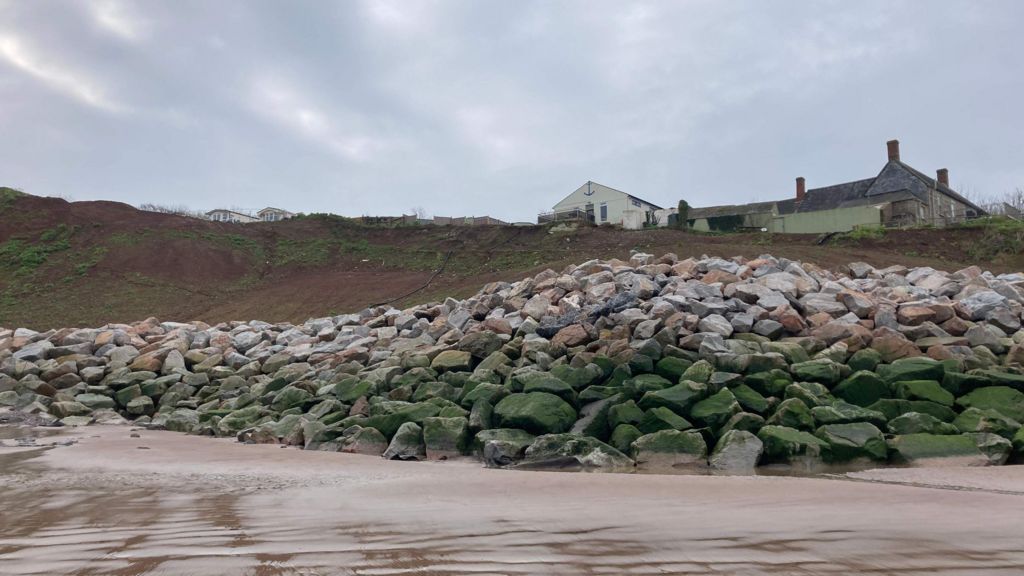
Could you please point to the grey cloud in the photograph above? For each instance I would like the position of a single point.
(494, 108)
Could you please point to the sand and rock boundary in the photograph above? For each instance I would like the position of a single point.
(651, 364)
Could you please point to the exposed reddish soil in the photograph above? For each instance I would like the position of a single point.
(121, 264)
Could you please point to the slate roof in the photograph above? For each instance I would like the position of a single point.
(835, 196)
(896, 181)
(941, 187)
(732, 210)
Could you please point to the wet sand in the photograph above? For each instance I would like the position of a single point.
(170, 504)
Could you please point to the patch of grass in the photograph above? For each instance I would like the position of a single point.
(90, 259)
(510, 260)
(128, 238)
(998, 223)
(1000, 236)
(388, 255)
(358, 246)
(236, 242)
(23, 257)
(302, 252)
(862, 233)
(58, 233)
(8, 196)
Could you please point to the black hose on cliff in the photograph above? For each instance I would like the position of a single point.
(429, 280)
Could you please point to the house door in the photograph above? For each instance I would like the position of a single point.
(589, 209)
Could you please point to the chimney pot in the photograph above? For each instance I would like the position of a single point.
(942, 175)
(894, 150)
(801, 189)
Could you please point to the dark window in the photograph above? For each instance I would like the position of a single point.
(604, 212)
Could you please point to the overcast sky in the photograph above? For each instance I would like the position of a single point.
(500, 108)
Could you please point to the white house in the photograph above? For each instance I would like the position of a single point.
(224, 215)
(270, 214)
(601, 204)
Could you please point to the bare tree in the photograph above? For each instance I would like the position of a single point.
(180, 210)
(1010, 203)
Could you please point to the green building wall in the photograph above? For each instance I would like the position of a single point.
(836, 220)
(732, 223)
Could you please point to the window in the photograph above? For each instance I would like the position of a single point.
(636, 203)
(604, 212)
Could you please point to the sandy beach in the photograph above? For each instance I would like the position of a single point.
(167, 503)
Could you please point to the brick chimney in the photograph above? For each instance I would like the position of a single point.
(801, 189)
(942, 175)
(894, 150)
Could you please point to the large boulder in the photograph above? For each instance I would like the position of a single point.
(928, 390)
(182, 420)
(823, 371)
(792, 413)
(995, 447)
(862, 388)
(840, 412)
(623, 436)
(670, 449)
(662, 418)
(388, 417)
(625, 413)
(407, 443)
(853, 441)
(593, 419)
(736, 451)
(912, 369)
(535, 412)
(140, 406)
(518, 439)
(570, 451)
(238, 420)
(492, 393)
(480, 344)
(95, 401)
(937, 450)
(445, 438)
(986, 420)
(716, 410)
(290, 397)
(810, 393)
(786, 445)
(894, 407)
(1003, 399)
(750, 399)
(544, 382)
(679, 398)
(918, 423)
(364, 441)
(452, 361)
(69, 408)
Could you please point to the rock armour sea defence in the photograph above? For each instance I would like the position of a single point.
(651, 363)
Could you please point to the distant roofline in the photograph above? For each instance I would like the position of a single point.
(230, 212)
(933, 183)
(850, 183)
(626, 193)
(273, 208)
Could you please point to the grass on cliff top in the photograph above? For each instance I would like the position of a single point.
(8, 196)
(859, 234)
(1000, 236)
(24, 255)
